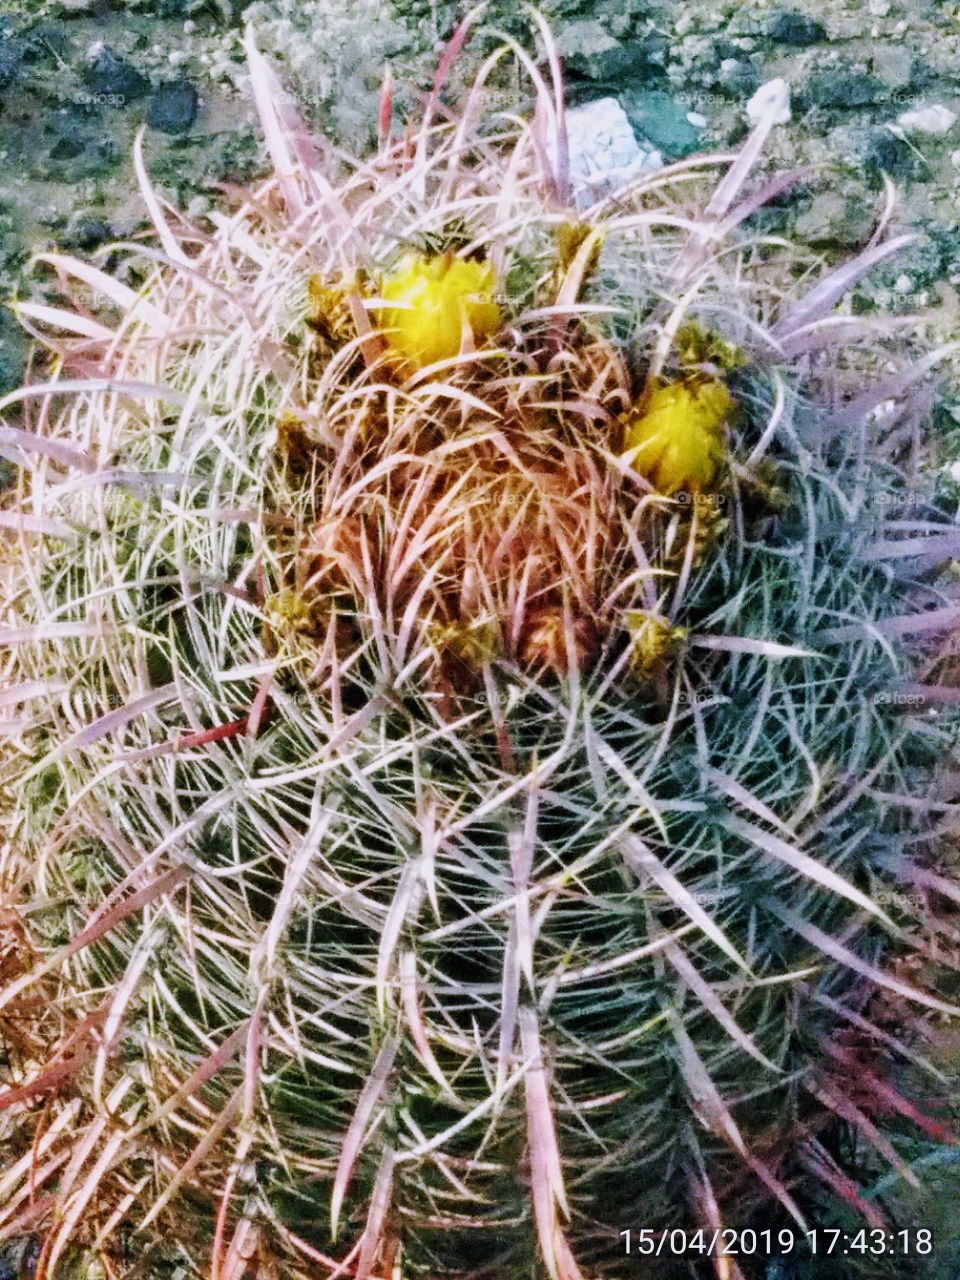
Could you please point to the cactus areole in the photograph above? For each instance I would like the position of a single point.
(459, 806)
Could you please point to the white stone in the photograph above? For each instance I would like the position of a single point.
(774, 96)
(879, 8)
(935, 120)
(882, 410)
(198, 206)
(954, 471)
(697, 119)
(604, 151)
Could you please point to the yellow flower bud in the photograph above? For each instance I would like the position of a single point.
(466, 644)
(653, 639)
(675, 437)
(435, 294)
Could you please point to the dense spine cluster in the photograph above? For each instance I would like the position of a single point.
(458, 805)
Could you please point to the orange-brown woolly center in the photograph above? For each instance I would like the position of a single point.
(499, 549)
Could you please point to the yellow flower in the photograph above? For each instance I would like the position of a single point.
(435, 295)
(675, 436)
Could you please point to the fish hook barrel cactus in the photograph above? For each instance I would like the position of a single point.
(470, 754)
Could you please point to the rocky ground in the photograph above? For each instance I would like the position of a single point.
(875, 85)
(875, 89)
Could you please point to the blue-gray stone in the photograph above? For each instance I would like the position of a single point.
(10, 59)
(79, 152)
(87, 232)
(796, 29)
(843, 88)
(738, 78)
(661, 119)
(883, 152)
(115, 77)
(173, 107)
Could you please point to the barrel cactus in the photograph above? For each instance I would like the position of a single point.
(472, 709)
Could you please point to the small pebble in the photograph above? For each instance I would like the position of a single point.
(774, 95)
(198, 206)
(932, 120)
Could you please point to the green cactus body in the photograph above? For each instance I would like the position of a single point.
(445, 850)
